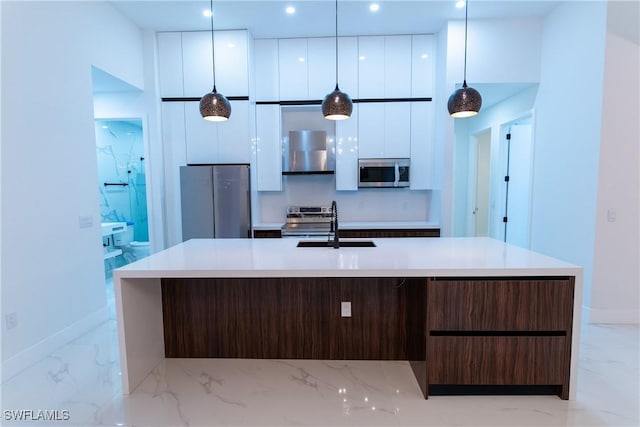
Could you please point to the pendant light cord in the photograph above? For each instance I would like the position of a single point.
(466, 14)
(336, 44)
(213, 50)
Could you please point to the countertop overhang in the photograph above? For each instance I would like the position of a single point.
(392, 257)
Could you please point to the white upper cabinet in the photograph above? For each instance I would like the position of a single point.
(197, 65)
(234, 138)
(218, 142)
(397, 66)
(346, 146)
(422, 145)
(348, 66)
(384, 67)
(265, 63)
(292, 63)
(371, 67)
(371, 130)
(232, 65)
(170, 64)
(384, 130)
(397, 130)
(232, 62)
(422, 66)
(321, 66)
(268, 148)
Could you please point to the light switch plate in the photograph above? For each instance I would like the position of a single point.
(345, 308)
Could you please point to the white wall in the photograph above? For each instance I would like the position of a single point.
(52, 267)
(616, 277)
(567, 134)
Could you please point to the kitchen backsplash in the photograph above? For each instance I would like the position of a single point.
(377, 204)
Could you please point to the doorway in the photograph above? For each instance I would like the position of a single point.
(480, 185)
(517, 146)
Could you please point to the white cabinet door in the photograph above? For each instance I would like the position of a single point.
(268, 148)
(321, 66)
(347, 152)
(234, 140)
(218, 142)
(232, 62)
(201, 135)
(397, 130)
(265, 62)
(170, 64)
(371, 130)
(397, 66)
(196, 63)
(422, 66)
(292, 63)
(371, 67)
(348, 65)
(422, 145)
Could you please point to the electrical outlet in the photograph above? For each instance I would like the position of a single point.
(85, 221)
(611, 215)
(345, 308)
(11, 320)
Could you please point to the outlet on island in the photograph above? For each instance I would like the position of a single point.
(345, 308)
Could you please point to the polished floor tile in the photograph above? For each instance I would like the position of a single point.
(83, 378)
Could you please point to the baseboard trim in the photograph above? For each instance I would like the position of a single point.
(30, 356)
(611, 316)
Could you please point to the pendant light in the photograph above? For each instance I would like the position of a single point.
(214, 106)
(466, 101)
(337, 105)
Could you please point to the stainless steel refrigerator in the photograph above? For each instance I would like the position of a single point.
(216, 201)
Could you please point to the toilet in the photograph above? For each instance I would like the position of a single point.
(139, 249)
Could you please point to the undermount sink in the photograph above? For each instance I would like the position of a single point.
(329, 244)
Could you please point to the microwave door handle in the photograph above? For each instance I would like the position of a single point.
(397, 171)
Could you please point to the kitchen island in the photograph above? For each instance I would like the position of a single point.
(469, 314)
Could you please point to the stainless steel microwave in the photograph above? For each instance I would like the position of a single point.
(392, 173)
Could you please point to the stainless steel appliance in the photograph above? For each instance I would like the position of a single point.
(216, 201)
(307, 221)
(308, 153)
(383, 173)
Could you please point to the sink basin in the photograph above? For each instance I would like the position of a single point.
(113, 227)
(343, 244)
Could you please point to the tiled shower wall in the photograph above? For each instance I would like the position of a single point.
(120, 153)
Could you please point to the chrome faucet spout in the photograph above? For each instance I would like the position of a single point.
(334, 225)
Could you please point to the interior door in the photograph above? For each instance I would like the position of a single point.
(518, 200)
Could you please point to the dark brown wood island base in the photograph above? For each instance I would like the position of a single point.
(498, 335)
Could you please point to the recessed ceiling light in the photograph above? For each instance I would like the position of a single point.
(460, 4)
(374, 7)
(290, 10)
(301, 59)
(207, 13)
(231, 45)
(362, 57)
(424, 56)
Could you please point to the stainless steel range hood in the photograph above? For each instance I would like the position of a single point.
(308, 153)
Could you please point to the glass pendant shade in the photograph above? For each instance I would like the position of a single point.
(215, 107)
(337, 105)
(464, 102)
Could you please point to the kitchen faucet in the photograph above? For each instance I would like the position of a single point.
(334, 225)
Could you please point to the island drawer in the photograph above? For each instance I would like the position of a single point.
(497, 360)
(500, 304)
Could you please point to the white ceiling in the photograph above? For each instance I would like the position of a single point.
(316, 18)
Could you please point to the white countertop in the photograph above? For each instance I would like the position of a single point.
(393, 257)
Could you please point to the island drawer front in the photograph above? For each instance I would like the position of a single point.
(504, 360)
(500, 304)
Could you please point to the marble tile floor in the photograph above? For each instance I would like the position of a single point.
(83, 378)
